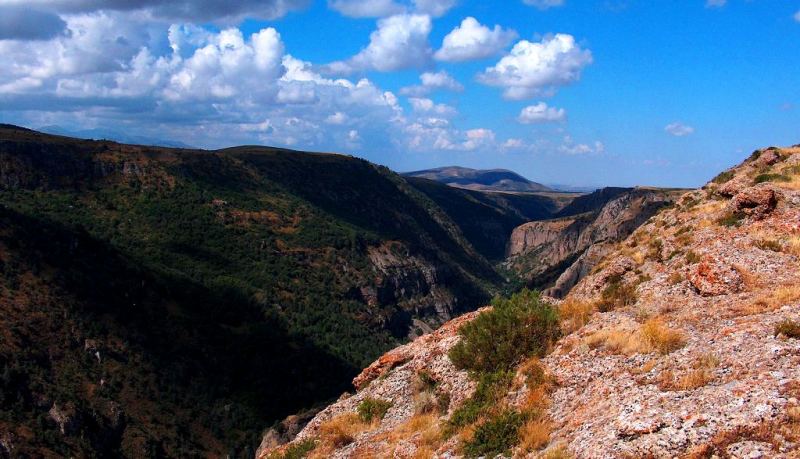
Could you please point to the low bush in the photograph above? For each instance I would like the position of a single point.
(491, 387)
(616, 295)
(730, 219)
(723, 177)
(692, 257)
(373, 409)
(761, 178)
(788, 328)
(675, 278)
(655, 248)
(497, 340)
(296, 451)
(495, 436)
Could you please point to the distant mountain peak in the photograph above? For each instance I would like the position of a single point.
(479, 179)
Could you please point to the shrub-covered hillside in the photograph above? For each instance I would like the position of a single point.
(177, 301)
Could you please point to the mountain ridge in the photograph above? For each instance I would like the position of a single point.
(479, 179)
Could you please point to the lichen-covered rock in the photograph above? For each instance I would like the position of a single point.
(757, 201)
(712, 277)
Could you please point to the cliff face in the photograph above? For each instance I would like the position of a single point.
(543, 252)
(681, 342)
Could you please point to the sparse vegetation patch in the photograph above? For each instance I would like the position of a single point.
(788, 328)
(373, 409)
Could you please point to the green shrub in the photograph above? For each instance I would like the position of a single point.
(495, 436)
(788, 328)
(655, 248)
(723, 177)
(296, 451)
(692, 257)
(771, 178)
(516, 328)
(730, 219)
(491, 387)
(373, 409)
(618, 294)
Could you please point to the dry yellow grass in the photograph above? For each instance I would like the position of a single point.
(699, 375)
(793, 245)
(422, 429)
(751, 281)
(535, 435)
(557, 452)
(638, 257)
(657, 336)
(652, 336)
(616, 340)
(336, 433)
(777, 298)
(575, 314)
(646, 367)
(694, 379)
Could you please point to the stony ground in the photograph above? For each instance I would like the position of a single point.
(679, 358)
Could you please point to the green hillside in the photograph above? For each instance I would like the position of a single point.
(223, 289)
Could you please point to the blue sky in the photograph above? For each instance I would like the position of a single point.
(596, 92)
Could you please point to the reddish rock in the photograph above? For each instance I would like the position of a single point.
(731, 187)
(769, 157)
(712, 278)
(385, 363)
(756, 202)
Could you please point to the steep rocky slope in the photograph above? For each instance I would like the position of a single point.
(684, 341)
(556, 253)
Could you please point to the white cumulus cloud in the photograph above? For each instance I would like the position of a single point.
(678, 129)
(541, 113)
(472, 40)
(570, 147)
(538, 69)
(432, 81)
(400, 42)
(716, 3)
(423, 105)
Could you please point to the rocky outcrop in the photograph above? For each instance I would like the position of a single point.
(550, 253)
(712, 277)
